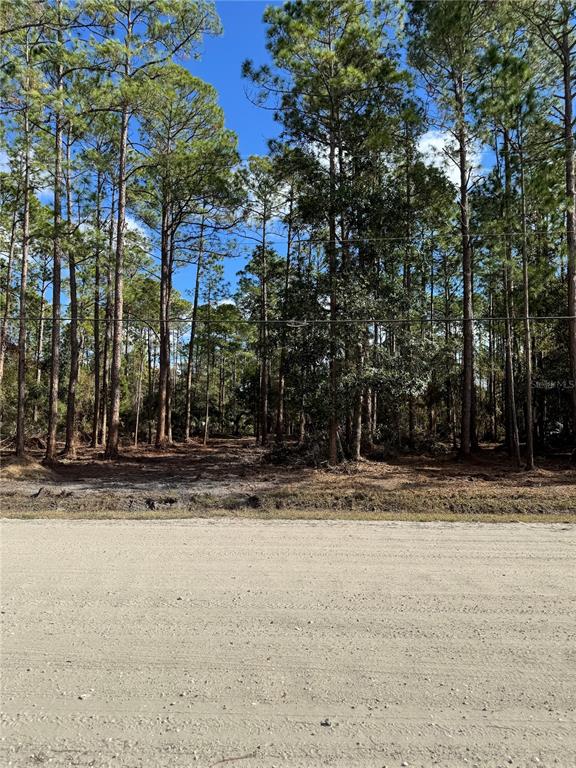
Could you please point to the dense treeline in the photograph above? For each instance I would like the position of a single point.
(391, 297)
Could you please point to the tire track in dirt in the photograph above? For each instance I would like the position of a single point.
(296, 644)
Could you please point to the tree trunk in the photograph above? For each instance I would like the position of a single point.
(221, 393)
(233, 402)
(514, 447)
(21, 407)
(368, 393)
(357, 414)
(407, 285)
(282, 362)
(57, 276)
(108, 316)
(169, 390)
(189, 368)
(7, 294)
(150, 386)
(527, 328)
(39, 346)
(263, 403)
(138, 399)
(164, 373)
(468, 347)
(333, 374)
(449, 394)
(96, 329)
(173, 342)
(113, 439)
(208, 366)
(570, 202)
(70, 445)
(492, 372)
(510, 384)
(432, 384)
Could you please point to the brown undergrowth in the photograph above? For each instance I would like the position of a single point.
(232, 478)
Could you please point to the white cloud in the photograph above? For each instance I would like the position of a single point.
(41, 178)
(321, 153)
(45, 195)
(135, 226)
(4, 162)
(439, 150)
(4, 243)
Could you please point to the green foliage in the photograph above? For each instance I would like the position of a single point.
(350, 299)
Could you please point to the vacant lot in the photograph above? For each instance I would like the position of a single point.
(301, 644)
(233, 478)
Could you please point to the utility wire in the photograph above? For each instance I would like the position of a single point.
(430, 236)
(296, 323)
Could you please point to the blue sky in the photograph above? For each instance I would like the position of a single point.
(244, 37)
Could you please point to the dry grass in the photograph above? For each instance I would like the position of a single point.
(26, 468)
(231, 479)
(299, 505)
(294, 514)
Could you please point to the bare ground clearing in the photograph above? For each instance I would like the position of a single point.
(166, 644)
(231, 478)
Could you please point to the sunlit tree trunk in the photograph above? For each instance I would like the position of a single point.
(70, 445)
(527, 325)
(263, 405)
(113, 439)
(208, 373)
(357, 413)
(39, 344)
(51, 446)
(407, 281)
(492, 369)
(568, 82)
(96, 317)
(468, 348)
(331, 248)
(7, 294)
(139, 397)
(191, 343)
(449, 391)
(221, 391)
(108, 318)
(282, 362)
(164, 373)
(172, 371)
(514, 445)
(21, 396)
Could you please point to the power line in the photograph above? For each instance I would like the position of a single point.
(297, 323)
(431, 236)
(392, 238)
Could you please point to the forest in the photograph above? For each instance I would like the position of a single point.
(397, 273)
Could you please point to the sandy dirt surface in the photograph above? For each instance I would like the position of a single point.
(231, 474)
(265, 643)
(189, 468)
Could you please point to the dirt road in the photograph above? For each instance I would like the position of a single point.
(301, 644)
